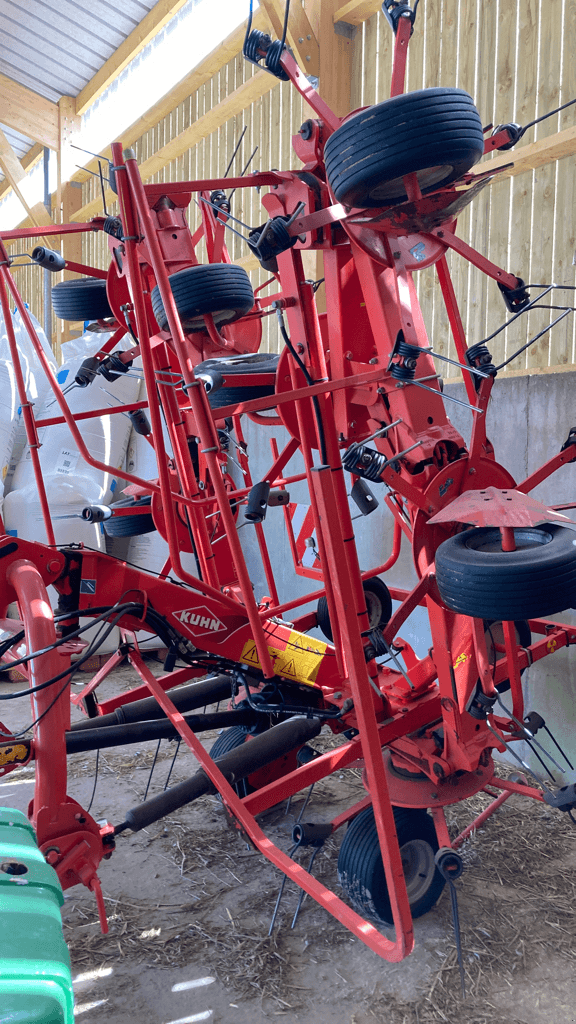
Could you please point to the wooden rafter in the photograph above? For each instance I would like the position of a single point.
(154, 21)
(15, 175)
(250, 91)
(27, 112)
(356, 11)
(299, 33)
(535, 154)
(195, 79)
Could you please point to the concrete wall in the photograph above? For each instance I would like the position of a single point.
(528, 421)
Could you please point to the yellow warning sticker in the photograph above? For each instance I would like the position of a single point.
(460, 660)
(300, 661)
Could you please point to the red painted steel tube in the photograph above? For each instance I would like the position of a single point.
(496, 803)
(401, 40)
(27, 413)
(455, 321)
(68, 417)
(202, 413)
(392, 951)
(473, 257)
(93, 414)
(51, 706)
(363, 697)
(128, 202)
(317, 594)
(260, 536)
(46, 230)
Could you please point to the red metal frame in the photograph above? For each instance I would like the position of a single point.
(387, 708)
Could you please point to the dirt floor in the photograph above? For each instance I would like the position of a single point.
(190, 907)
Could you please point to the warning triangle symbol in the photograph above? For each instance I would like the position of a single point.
(289, 669)
(251, 655)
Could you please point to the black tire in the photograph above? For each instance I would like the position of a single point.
(82, 299)
(227, 741)
(494, 635)
(222, 289)
(475, 577)
(361, 871)
(212, 370)
(435, 132)
(130, 526)
(378, 606)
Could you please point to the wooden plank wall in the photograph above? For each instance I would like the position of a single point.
(514, 57)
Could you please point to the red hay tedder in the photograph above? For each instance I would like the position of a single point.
(357, 388)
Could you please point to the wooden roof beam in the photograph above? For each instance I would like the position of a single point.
(150, 26)
(15, 175)
(356, 11)
(195, 79)
(27, 112)
(242, 97)
(299, 33)
(534, 154)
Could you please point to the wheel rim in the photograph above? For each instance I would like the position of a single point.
(490, 542)
(374, 609)
(418, 867)
(394, 188)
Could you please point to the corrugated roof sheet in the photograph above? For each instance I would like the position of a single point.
(55, 48)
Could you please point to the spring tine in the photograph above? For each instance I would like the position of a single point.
(288, 805)
(305, 804)
(233, 504)
(542, 762)
(382, 431)
(454, 362)
(457, 936)
(443, 395)
(152, 769)
(556, 744)
(173, 763)
(302, 896)
(228, 215)
(238, 144)
(65, 392)
(501, 739)
(398, 665)
(236, 463)
(530, 738)
(293, 216)
(280, 894)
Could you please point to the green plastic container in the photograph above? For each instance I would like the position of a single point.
(35, 979)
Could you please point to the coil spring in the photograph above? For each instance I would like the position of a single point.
(220, 199)
(255, 45)
(478, 357)
(376, 638)
(364, 462)
(406, 370)
(113, 226)
(259, 45)
(273, 61)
